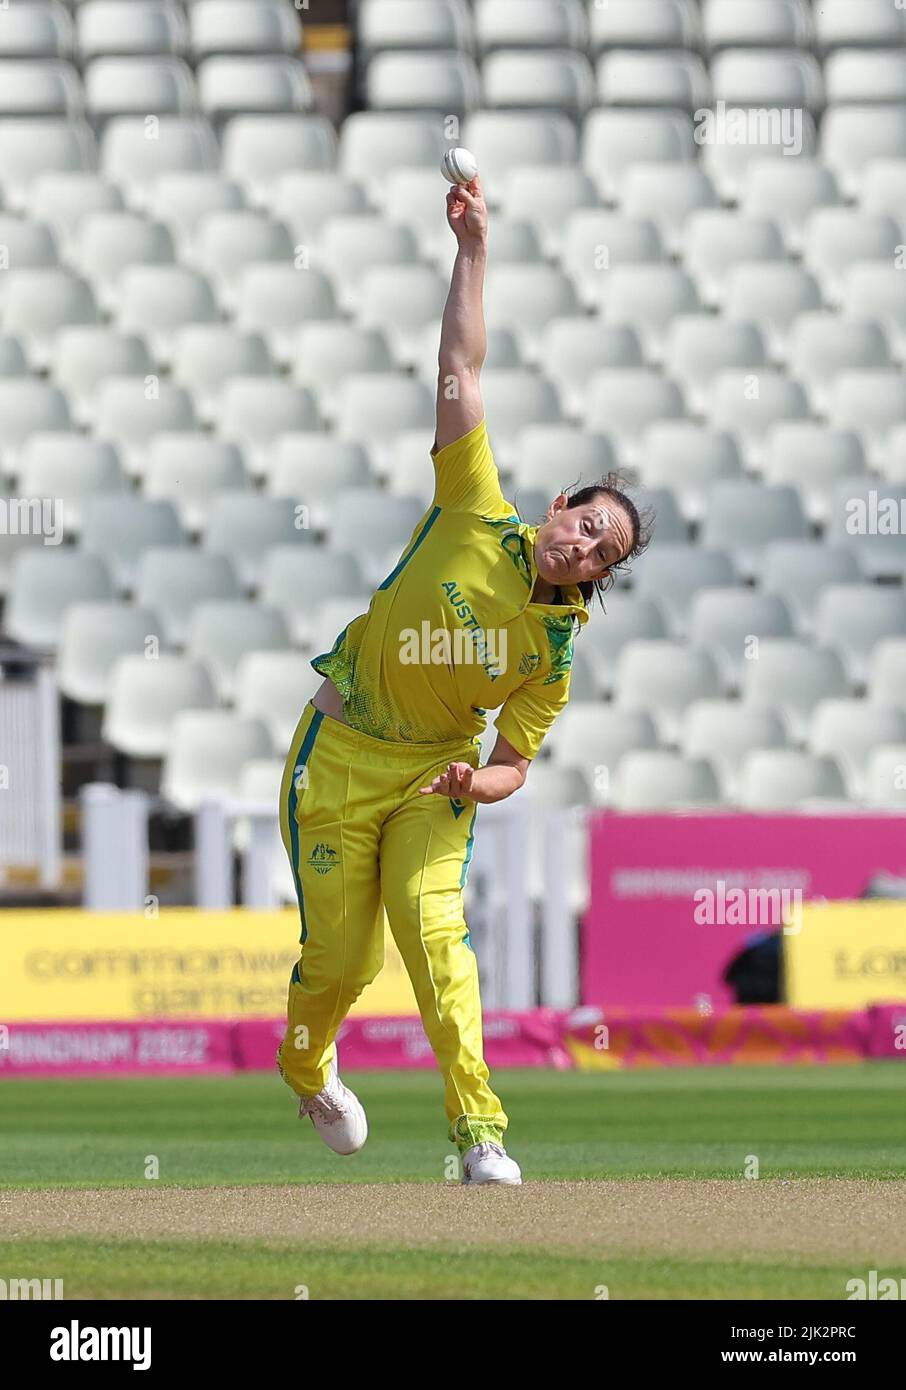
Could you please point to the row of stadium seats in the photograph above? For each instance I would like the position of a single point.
(46, 29)
(375, 408)
(710, 25)
(456, 84)
(594, 243)
(258, 148)
(738, 754)
(848, 619)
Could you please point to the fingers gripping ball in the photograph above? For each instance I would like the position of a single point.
(459, 166)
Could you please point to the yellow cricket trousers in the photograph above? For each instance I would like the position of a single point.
(359, 836)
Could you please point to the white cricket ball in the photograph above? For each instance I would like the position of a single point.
(459, 166)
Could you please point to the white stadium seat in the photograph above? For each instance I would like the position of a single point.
(42, 88)
(716, 240)
(656, 24)
(596, 240)
(793, 677)
(812, 458)
(725, 732)
(751, 403)
(276, 300)
(402, 301)
(873, 402)
(866, 517)
(31, 149)
(222, 631)
(294, 580)
(853, 136)
(259, 149)
(93, 637)
(444, 82)
(36, 31)
(305, 200)
(743, 517)
(626, 401)
(737, 137)
(157, 301)
(700, 346)
(871, 23)
(689, 458)
(836, 238)
(45, 582)
(567, 191)
(373, 141)
(769, 77)
(130, 26)
(62, 200)
(613, 139)
(191, 470)
(628, 617)
(731, 623)
(779, 779)
(131, 410)
(773, 296)
(108, 243)
(41, 303)
(527, 299)
(82, 359)
(229, 86)
(504, 140)
(354, 244)
(373, 407)
(877, 290)
(758, 23)
(887, 673)
(554, 456)
(243, 526)
(206, 752)
(71, 467)
(518, 79)
(400, 25)
(135, 86)
(647, 297)
(666, 194)
(275, 687)
(800, 570)
(658, 780)
(145, 699)
(850, 731)
(821, 345)
(864, 75)
(627, 77)
(327, 352)
(207, 355)
(255, 411)
(672, 574)
(788, 192)
(542, 24)
(234, 26)
(181, 144)
(594, 737)
(573, 349)
(27, 406)
(120, 528)
(853, 618)
(664, 678)
(172, 581)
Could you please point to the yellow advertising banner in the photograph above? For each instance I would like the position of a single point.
(184, 963)
(847, 955)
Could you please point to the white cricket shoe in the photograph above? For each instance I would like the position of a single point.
(337, 1114)
(489, 1163)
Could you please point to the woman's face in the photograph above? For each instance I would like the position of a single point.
(577, 544)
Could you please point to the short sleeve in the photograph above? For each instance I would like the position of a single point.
(530, 711)
(466, 478)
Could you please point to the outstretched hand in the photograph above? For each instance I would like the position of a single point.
(467, 211)
(455, 782)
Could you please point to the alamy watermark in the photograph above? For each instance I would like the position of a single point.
(32, 516)
(747, 907)
(738, 125)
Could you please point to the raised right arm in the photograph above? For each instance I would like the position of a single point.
(463, 337)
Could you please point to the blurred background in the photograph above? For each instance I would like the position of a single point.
(223, 261)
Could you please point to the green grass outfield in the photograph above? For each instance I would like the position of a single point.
(847, 1121)
(828, 1122)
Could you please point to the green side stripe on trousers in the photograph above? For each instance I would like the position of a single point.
(470, 845)
(301, 760)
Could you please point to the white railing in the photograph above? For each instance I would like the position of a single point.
(30, 795)
(525, 889)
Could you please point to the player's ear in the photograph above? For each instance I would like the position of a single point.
(556, 506)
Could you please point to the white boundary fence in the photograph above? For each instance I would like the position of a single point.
(525, 889)
(30, 795)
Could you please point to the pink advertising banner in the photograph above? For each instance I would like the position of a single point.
(530, 1039)
(674, 898)
(117, 1049)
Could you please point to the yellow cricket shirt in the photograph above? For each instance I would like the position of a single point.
(452, 633)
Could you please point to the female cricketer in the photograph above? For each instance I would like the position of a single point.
(382, 780)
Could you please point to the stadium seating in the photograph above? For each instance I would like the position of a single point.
(218, 349)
